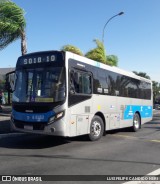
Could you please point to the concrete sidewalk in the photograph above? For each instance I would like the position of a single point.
(5, 110)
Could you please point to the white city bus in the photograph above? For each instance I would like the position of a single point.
(64, 94)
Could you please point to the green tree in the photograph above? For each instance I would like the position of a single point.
(155, 86)
(112, 60)
(73, 49)
(12, 25)
(98, 53)
(142, 74)
(156, 91)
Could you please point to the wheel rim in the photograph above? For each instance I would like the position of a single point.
(96, 128)
(136, 122)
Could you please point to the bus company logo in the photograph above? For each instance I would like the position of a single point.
(35, 117)
(28, 117)
(112, 106)
(6, 178)
(38, 117)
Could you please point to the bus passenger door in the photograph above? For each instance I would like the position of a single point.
(80, 93)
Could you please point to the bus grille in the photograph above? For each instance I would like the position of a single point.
(36, 126)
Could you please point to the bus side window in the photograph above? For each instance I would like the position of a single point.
(86, 84)
(80, 82)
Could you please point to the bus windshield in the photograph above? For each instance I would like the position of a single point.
(40, 85)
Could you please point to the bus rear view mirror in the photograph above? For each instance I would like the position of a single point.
(72, 91)
(10, 81)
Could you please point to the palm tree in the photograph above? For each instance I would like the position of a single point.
(98, 53)
(112, 60)
(73, 49)
(142, 74)
(156, 91)
(12, 25)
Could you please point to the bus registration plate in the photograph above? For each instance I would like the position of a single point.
(28, 127)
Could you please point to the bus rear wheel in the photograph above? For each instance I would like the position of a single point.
(96, 129)
(136, 122)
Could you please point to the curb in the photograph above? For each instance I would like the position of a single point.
(3, 114)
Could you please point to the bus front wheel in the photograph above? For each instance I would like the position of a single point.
(136, 122)
(96, 128)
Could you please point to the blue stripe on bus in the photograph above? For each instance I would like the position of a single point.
(32, 117)
(145, 111)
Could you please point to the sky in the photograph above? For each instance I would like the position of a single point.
(133, 37)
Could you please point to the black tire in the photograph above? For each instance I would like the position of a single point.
(96, 129)
(136, 122)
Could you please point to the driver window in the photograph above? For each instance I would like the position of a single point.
(80, 82)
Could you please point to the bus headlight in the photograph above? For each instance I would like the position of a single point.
(57, 116)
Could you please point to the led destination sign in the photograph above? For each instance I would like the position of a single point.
(37, 58)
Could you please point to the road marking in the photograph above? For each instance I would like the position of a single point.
(136, 138)
(125, 136)
(154, 173)
(155, 141)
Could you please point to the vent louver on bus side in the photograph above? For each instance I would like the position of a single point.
(87, 109)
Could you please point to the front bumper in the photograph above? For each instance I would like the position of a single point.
(25, 122)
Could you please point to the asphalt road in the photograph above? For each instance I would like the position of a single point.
(120, 152)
